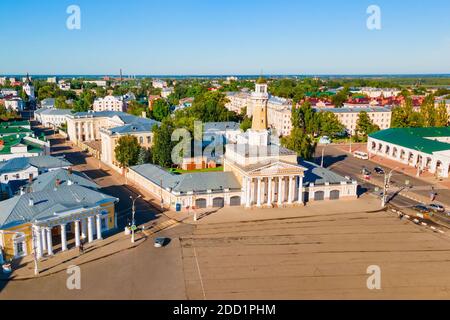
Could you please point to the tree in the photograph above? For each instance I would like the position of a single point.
(210, 107)
(162, 143)
(428, 112)
(300, 142)
(365, 126)
(136, 109)
(144, 156)
(161, 109)
(246, 124)
(330, 124)
(442, 115)
(127, 151)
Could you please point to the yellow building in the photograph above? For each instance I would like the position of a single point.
(43, 222)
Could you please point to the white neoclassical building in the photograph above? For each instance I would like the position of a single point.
(427, 149)
(257, 173)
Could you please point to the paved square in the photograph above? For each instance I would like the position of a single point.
(315, 256)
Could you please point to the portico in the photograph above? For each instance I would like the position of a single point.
(44, 231)
(274, 184)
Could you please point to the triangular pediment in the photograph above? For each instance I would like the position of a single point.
(277, 168)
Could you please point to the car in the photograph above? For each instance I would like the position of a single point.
(159, 242)
(378, 170)
(421, 208)
(361, 155)
(436, 207)
(366, 172)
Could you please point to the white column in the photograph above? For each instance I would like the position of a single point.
(99, 227)
(44, 240)
(79, 130)
(280, 187)
(300, 189)
(258, 196)
(90, 230)
(92, 131)
(63, 238)
(83, 229)
(49, 242)
(38, 242)
(247, 194)
(77, 233)
(290, 193)
(269, 192)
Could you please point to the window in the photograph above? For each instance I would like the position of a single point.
(149, 139)
(141, 140)
(104, 224)
(19, 248)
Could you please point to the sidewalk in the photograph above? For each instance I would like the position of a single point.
(97, 250)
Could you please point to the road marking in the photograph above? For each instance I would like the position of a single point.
(199, 272)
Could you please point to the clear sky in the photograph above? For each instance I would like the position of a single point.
(225, 37)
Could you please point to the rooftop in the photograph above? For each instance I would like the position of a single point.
(47, 181)
(40, 162)
(419, 139)
(48, 204)
(199, 182)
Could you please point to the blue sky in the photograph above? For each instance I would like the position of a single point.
(225, 37)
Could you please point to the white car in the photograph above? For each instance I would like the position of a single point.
(436, 207)
(159, 242)
(361, 155)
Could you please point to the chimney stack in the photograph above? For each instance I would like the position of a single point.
(70, 170)
(58, 182)
(30, 178)
(31, 202)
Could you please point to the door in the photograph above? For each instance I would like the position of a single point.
(218, 203)
(200, 203)
(334, 195)
(319, 195)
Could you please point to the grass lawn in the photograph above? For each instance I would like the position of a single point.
(179, 171)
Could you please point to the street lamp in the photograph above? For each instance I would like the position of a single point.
(387, 181)
(133, 226)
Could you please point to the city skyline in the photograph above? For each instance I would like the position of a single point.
(233, 38)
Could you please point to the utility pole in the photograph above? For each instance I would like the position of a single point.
(161, 194)
(133, 222)
(35, 260)
(387, 182)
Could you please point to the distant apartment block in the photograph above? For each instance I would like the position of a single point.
(109, 103)
(349, 117)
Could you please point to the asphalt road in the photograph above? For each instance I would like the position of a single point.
(347, 165)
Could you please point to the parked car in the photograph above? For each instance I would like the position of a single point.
(159, 242)
(361, 155)
(421, 208)
(378, 170)
(436, 207)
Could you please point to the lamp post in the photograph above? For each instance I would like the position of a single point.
(387, 181)
(133, 226)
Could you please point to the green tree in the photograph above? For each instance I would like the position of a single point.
(365, 126)
(161, 109)
(330, 124)
(136, 109)
(246, 124)
(442, 115)
(127, 151)
(162, 143)
(144, 156)
(428, 112)
(300, 142)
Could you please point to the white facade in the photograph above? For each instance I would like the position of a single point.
(166, 92)
(51, 117)
(14, 104)
(159, 84)
(349, 117)
(109, 103)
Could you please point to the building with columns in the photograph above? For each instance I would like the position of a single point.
(427, 149)
(258, 173)
(55, 220)
(110, 103)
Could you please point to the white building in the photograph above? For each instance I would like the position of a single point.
(427, 149)
(159, 84)
(52, 117)
(65, 86)
(379, 92)
(14, 104)
(51, 80)
(109, 103)
(279, 110)
(257, 174)
(166, 92)
(99, 83)
(349, 117)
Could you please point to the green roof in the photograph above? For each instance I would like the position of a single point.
(13, 130)
(15, 124)
(13, 140)
(419, 139)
